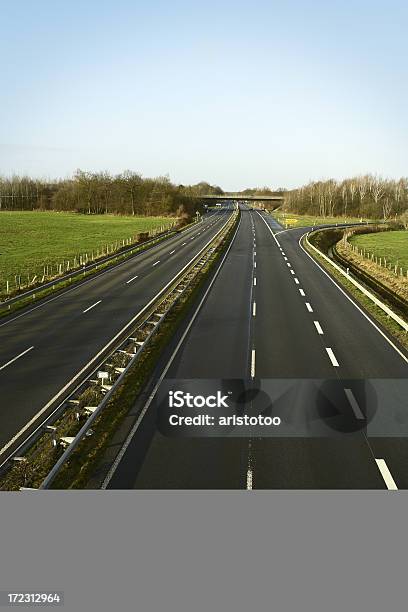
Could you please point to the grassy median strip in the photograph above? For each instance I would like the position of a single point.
(76, 472)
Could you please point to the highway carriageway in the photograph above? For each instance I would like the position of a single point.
(44, 348)
(272, 312)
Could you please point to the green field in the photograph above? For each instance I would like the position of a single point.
(31, 240)
(391, 245)
(292, 220)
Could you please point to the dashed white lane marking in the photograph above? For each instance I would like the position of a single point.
(386, 474)
(184, 243)
(283, 253)
(249, 480)
(254, 253)
(171, 252)
(353, 403)
(332, 356)
(155, 264)
(308, 306)
(131, 279)
(296, 281)
(254, 281)
(93, 306)
(254, 309)
(285, 258)
(15, 358)
(289, 265)
(302, 293)
(254, 264)
(253, 363)
(318, 327)
(292, 272)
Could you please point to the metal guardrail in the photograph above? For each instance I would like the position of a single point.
(381, 289)
(131, 348)
(359, 286)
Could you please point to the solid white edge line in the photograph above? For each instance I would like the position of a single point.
(90, 307)
(145, 408)
(332, 357)
(15, 358)
(111, 342)
(386, 474)
(396, 349)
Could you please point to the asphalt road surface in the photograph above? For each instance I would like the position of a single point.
(273, 313)
(44, 347)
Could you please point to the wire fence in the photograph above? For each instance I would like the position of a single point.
(383, 262)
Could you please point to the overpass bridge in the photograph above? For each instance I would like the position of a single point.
(270, 201)
(274, 197)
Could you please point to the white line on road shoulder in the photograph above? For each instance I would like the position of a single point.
(15, 358)
(332, 356)
(93, 306)
(386, 474)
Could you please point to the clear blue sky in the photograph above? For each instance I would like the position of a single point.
(235, 93)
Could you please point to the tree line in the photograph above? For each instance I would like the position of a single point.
(127, 193)
(362, 196)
